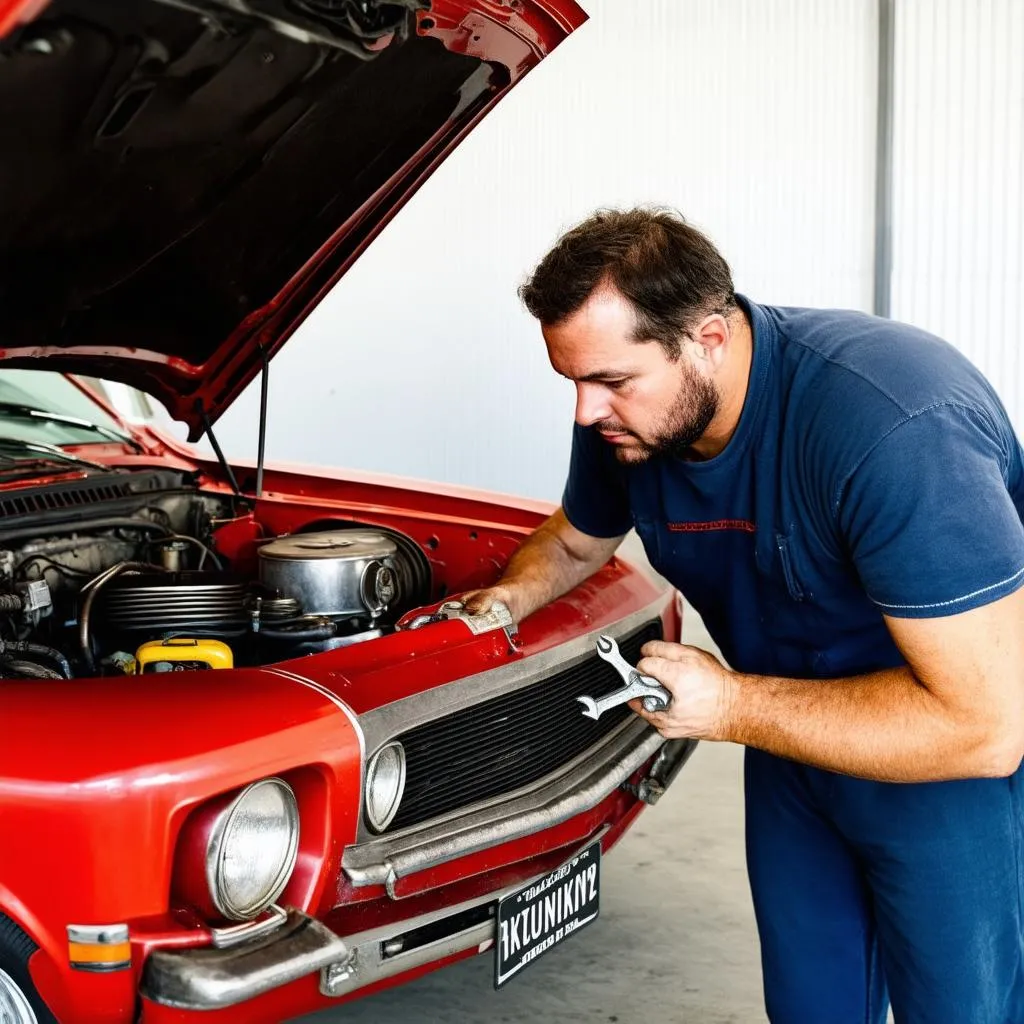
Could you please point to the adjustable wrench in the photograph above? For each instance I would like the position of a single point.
(655, 696)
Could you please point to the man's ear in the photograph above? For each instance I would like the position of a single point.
(711, 336)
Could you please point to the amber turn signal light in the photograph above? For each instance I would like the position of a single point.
(99, 948)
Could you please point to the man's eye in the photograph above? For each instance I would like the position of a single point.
(615, 385)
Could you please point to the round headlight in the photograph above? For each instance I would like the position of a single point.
(385, 783)
(252, 849)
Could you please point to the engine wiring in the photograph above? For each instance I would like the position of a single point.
(21, 569)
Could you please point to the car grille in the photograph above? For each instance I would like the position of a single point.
(510, 741)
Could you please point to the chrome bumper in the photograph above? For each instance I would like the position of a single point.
(210, 978)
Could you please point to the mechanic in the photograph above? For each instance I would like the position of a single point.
(841, 499)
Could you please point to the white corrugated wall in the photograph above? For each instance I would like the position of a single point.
(958, 171)
(756, 118)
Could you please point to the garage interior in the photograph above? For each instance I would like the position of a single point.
(864, 154)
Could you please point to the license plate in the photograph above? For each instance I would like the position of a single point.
(546, 912)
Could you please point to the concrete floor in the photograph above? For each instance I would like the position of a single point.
(675, 941)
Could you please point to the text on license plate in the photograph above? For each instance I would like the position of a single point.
(546, 912)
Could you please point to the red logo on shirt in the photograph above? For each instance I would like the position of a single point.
(715, 524)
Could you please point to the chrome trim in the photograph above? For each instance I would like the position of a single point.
(595, 750)
(388, 932)
(225, 938)
(379, 826)
(211, 979)
(368, 964)
(109, 968)
(383, 860)
(98, 934)
(390, 720)
(215, 847)
(353, 718)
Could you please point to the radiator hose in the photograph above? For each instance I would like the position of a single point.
(94, 586)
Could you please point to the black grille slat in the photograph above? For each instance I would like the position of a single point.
(511, 741)
(540, 730)
(554, 694)
(447, 748)
(539, 710)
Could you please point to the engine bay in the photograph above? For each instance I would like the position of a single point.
(104, 576)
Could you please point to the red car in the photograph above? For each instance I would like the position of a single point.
(255, 758)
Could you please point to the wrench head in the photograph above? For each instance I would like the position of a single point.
(589, 707)
(653, 703)
(605, 644)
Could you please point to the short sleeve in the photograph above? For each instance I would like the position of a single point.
(595, 500)
(928, 518)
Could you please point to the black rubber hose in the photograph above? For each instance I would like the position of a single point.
(322, 632)
(30, 669)
(40, 650)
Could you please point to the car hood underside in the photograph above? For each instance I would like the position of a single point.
(181, 182)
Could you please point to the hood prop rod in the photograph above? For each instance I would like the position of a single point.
(208, 430)
(262, 444)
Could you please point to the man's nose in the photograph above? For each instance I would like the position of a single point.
(591, 405)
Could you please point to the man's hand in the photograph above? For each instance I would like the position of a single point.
(955, 710)
(478, 602)
(550, 562)
(701, 688)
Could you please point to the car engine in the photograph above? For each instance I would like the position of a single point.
(121, 575)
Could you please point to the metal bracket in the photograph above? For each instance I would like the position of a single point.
(649, 791)
(498, 617)
(224, 938)
(334, 976)
(671, 758)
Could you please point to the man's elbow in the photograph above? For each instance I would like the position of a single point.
(989, 732)
(1001, 750)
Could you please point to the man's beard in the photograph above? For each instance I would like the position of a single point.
(691, 413)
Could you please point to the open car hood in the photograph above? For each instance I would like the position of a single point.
(181, 181)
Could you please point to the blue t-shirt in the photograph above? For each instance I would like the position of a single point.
(873, 471)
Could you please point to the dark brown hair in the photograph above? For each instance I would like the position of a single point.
(669, 272)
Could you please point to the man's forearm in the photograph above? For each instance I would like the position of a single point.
(544, 567)
(885, 726)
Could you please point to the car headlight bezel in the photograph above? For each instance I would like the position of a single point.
(378, 822)
(218, 846)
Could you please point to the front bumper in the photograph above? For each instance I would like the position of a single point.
(210, 978)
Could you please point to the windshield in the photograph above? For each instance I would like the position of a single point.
(50, 392)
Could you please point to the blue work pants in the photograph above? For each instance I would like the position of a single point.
(868, 891)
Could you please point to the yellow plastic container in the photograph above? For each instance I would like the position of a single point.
(182, 654)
